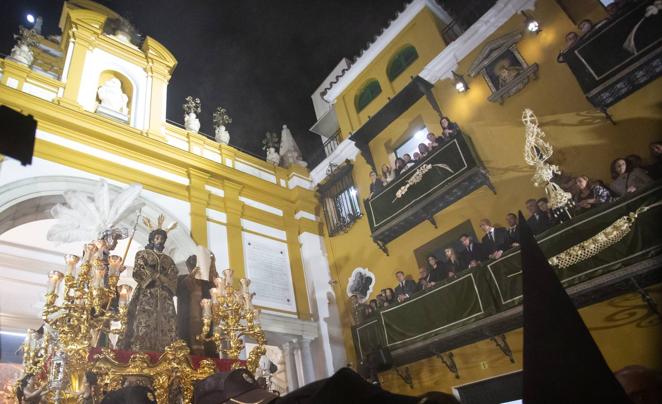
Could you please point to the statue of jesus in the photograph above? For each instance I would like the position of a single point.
(151, 324)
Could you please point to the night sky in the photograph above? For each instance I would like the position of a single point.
(261, 60)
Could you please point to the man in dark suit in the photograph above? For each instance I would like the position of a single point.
(513, 229)
(405, 288)
(496, 240)
(473, 253)
(538, 222)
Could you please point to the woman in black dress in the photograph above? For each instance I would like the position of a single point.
(453, 262)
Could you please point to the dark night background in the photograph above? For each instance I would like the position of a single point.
(261, 60)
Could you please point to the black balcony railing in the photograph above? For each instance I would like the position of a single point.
(449, 173)
(619, 56)
(331, 143)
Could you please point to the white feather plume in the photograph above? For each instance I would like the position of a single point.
(84, 219)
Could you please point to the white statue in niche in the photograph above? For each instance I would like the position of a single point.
(113, 100)
(289, 151)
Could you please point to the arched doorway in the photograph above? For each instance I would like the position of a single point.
(26, 256)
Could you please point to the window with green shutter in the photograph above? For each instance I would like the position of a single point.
(405, 57)
(368, 92)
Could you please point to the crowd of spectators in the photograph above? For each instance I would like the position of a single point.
(378, 181)
(628, 175)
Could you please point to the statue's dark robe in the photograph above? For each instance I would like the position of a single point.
(151, 324)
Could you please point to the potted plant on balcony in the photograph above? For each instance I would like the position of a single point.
(192, 107)
(221, 118)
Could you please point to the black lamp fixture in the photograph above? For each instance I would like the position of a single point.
(531, 24)
(460, 83)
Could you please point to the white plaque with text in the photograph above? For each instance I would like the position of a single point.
(267, 265)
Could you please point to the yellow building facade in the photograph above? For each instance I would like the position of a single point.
(584, 142)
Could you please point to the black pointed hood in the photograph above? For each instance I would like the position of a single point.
(562, 363)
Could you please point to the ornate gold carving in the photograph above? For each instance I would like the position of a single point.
(234, 317)
(173, 368)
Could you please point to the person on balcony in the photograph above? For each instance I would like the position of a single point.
(538, 222)
(453, 263)
(449, 129)
(388, 174)
(433, 141)
(417, 157)
(585, 26)
(399, 166)
(473, 252)
(571, 39)
(591, 193)
(425, 279)
(409, 163)
(372, 308)
(543, 206)
(389, 294)
(423, 149)
(627, 178)
(436, 268)
(405, 287)
(512, 229)
(495, 241)
(376, 184)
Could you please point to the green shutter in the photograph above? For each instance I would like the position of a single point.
(368, 92)
(405, 57)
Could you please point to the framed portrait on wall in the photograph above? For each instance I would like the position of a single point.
(502, 66)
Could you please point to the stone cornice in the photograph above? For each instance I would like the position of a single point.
(88, 128)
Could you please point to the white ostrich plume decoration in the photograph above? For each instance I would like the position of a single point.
(83, 218)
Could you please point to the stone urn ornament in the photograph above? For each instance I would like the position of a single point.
(26, 40)
(270, 144)
(192, 107)
(221, 118)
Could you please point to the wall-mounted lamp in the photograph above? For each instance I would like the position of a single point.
(460, 83)
(531, 24)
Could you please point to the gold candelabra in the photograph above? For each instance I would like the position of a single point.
(76, 318)
(233, 317)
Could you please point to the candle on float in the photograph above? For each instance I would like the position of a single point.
(71, 260)
(115, 265)
(102, 248)
(125, 294)
(214, 293)
(205, 304)
(99, 274)
(88, 252)
(227, 276)
(54, 278)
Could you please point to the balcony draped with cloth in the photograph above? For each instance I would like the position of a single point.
(485, 301)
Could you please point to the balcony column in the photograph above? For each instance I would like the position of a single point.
(307, 361)
(290, 368)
